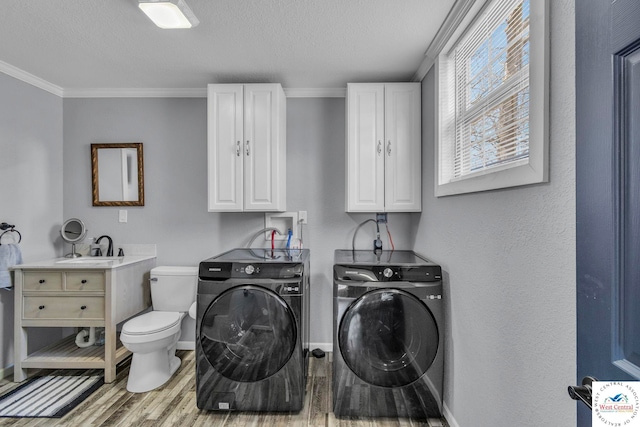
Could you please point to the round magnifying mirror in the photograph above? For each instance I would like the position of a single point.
(73, 230)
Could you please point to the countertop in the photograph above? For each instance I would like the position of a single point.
(101, 263)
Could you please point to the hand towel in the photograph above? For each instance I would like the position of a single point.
(10, 255)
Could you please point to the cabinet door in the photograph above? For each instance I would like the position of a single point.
(403, 159)
(225, 147)
(265, 147)
(365, 147)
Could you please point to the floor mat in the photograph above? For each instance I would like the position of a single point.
(49, 396)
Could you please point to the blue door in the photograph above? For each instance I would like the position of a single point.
(607, 191)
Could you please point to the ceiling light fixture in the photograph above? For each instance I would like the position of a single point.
(169, 14)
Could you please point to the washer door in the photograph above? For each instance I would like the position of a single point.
(388, 338)
(248, 333)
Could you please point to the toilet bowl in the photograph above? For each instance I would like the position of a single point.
(152, 337)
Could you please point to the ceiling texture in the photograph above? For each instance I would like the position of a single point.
(85, 46)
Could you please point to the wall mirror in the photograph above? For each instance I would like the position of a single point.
(117, 174)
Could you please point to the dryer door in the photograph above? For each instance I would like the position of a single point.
(248, 333)
(388, 337)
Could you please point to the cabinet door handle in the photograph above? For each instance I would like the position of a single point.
(41, 307)
(83, 281)
(247, 147)
(238, 149)
(83, 307)
(41, 281)
(379, 147)
(389, 148)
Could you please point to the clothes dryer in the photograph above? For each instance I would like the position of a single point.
(388, 342)
(252, 330)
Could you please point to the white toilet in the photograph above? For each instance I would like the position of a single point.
(152, 337)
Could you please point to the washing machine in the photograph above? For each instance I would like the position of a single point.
(252, 330)
(388, 342)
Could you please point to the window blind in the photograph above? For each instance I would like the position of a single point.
(492, 90)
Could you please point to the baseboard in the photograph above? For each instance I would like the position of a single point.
(186, 345)
(324, 346)
(6, 372)
(449, 416)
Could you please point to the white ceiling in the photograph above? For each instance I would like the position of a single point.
(80, 45)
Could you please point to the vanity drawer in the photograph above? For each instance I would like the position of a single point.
(85, 281)
(42, 281)
(63, 307)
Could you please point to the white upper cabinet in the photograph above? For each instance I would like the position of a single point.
(384, 147)
(246, 147)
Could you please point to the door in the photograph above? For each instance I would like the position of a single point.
(225, 147)
(388, 338)
(607, 191)
(248, 333)
(264, 150)
(403, 158)
(365, 147)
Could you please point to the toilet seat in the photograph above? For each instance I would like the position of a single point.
(151, 326)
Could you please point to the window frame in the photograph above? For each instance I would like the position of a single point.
(533, 171)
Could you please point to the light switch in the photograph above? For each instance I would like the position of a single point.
(122, 215)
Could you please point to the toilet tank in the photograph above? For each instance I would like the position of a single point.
(173, 288)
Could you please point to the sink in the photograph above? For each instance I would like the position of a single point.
(88, 260)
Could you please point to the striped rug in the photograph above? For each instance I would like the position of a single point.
(48, 397)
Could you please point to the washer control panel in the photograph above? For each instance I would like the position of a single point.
(228, 270)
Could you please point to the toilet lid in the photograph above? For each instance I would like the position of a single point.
(154, 321)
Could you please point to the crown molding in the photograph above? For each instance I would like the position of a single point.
(136, 93)
(21, 75)
(192, 93)
(448, 28)
(315, 92)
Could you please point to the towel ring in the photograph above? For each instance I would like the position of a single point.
(9, 229)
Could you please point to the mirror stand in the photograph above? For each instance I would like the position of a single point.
(73, 253)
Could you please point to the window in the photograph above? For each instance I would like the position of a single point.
(492, 97)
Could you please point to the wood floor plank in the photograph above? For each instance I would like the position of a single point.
(174, 404)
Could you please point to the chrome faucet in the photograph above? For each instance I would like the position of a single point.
(110, 248)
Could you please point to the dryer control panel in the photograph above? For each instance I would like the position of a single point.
(381, 273)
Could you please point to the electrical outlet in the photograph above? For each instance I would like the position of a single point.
(122, 215)
(302, 217)
(381, 218)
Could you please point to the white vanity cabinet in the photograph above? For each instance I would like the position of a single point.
(246, 147)
(383, 156)
(77, 294)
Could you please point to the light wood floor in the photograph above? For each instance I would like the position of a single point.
(174, 404)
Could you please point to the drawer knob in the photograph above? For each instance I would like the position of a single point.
(83, 281)
(41, 281)
(83, 307)
(41, 307)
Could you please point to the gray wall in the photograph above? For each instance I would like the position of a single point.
(175, 217)
(509, 262)
(31, 185)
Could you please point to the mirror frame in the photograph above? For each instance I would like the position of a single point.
(81, 235)
(94, 175)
